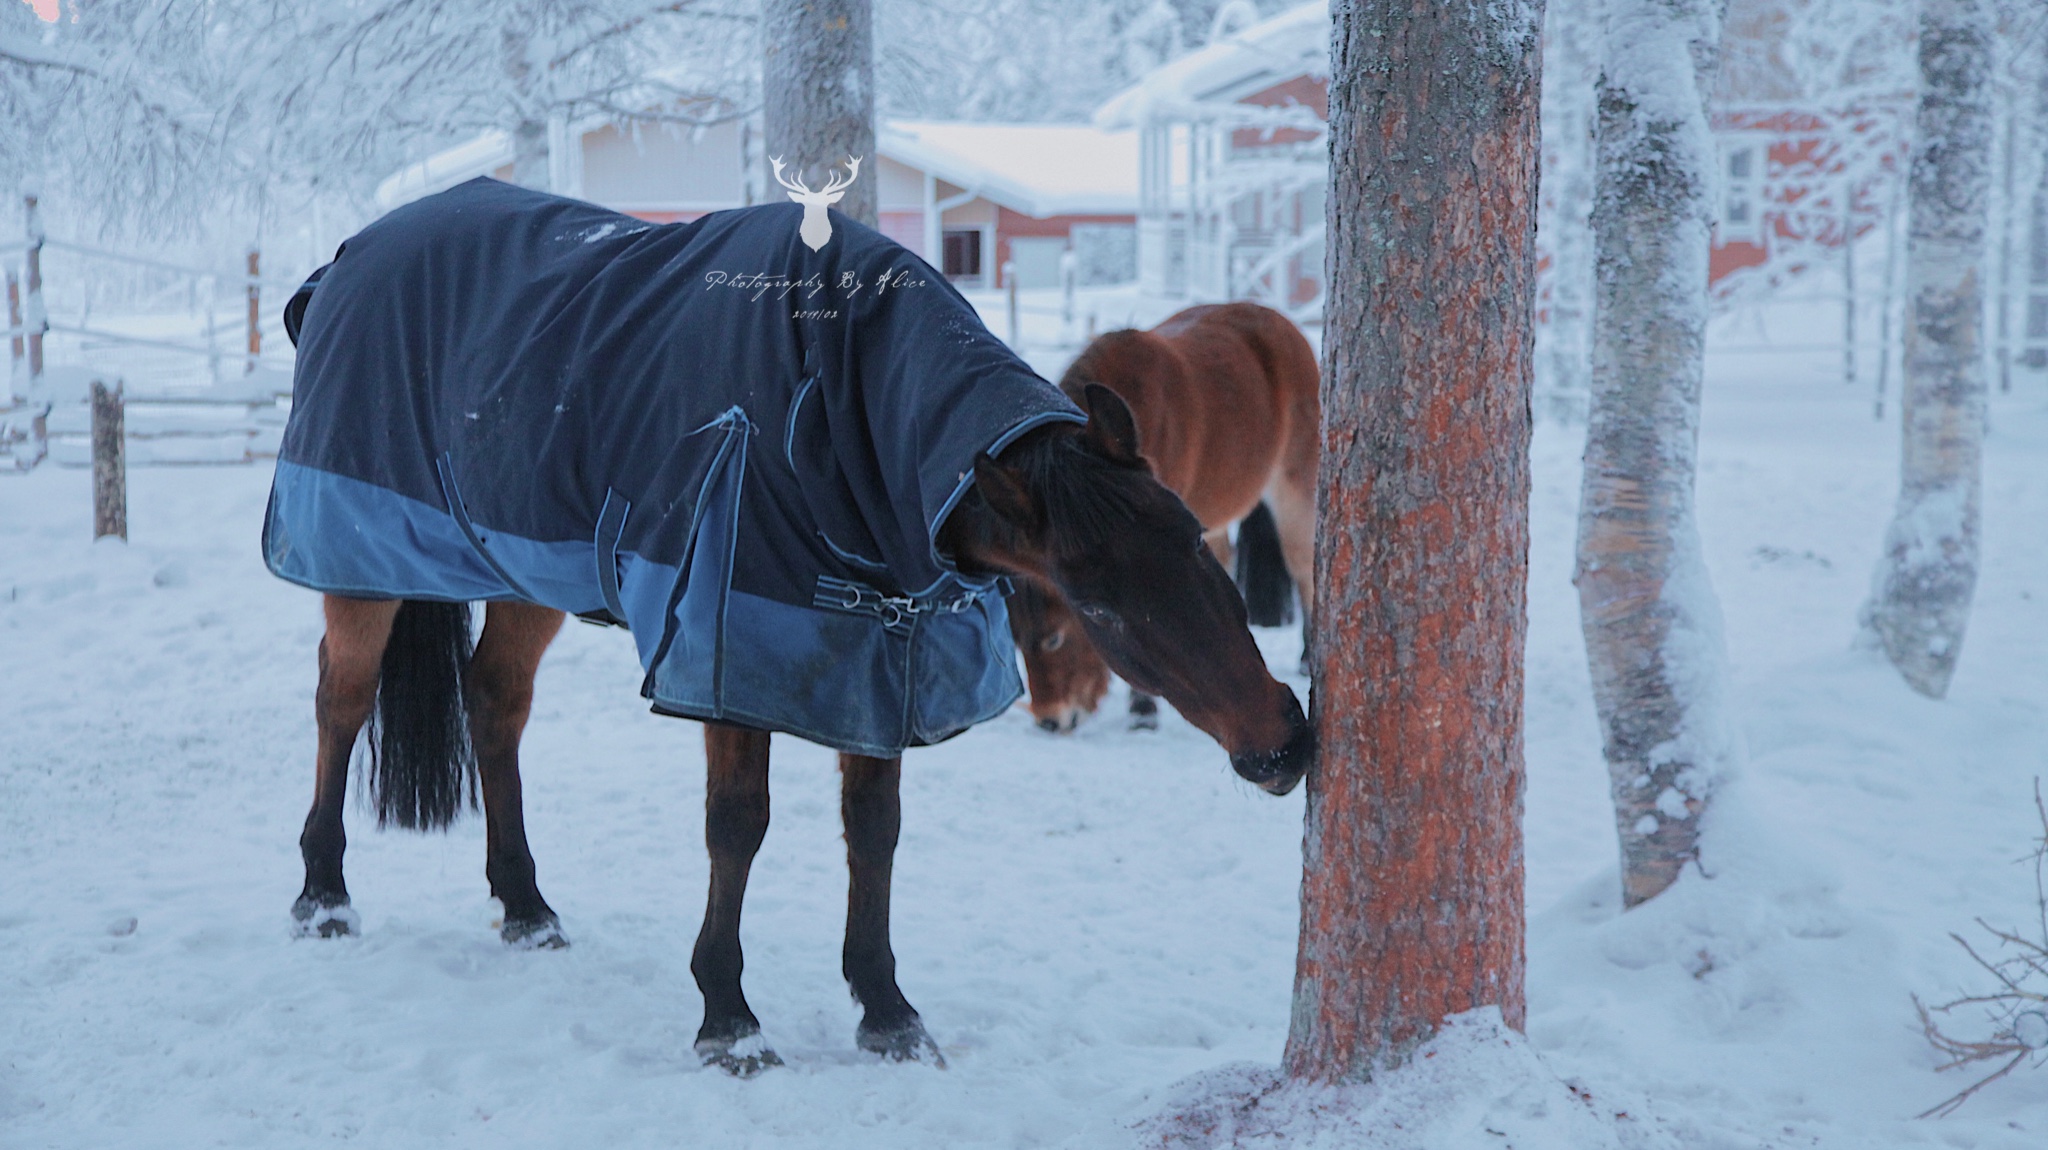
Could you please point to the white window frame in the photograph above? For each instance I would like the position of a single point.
(1745, 190)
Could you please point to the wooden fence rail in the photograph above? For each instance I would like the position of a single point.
(44, 412)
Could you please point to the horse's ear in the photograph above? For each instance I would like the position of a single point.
(1112, 431)
(1004, 492)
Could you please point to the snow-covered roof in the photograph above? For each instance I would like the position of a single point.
(446, 168)
(1239, 64)
(1037, 169)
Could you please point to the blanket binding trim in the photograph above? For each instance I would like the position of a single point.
(611, 525)
(732, 420)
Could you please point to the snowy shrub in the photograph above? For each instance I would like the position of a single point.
(2016, 1007)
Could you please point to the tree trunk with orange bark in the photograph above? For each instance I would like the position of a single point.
(1412, 889)
(1652, 624)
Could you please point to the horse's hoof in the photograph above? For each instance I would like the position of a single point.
(542, 933)
(906, 1043)
(741, 1057)
(314, 918)
(1144, 713)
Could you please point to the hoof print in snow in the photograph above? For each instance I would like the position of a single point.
(903, 1044)
(312, 919)
(543, 933)
(742, 1057)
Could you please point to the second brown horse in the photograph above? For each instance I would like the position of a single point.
(1228, 414)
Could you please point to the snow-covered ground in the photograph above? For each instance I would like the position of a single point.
(1099, 930)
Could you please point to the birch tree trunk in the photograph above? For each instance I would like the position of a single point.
(818, 88)
(1411, 892)
(1651, 622)
(1571, 62)
(1920, 598)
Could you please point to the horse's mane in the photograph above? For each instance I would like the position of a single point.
(1083, 494)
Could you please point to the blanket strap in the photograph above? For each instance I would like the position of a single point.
(461, 514)
(897, 613)
(611, 524)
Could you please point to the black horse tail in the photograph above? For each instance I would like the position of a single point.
(1262, 571)
(422, 769)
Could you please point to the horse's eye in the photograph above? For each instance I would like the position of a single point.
(1096, 614)
(1053, 642)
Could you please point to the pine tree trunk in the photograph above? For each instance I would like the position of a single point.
(530, 154)
(1652, 625)
(818, 87)
(1920, 598)
(1412, 885)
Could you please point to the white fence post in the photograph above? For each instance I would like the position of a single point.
(211, 286)
(1849, 282)
(1010, 285)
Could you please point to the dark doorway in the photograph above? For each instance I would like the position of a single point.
(962, 256)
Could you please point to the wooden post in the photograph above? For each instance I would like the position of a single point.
(1010, 286)
(38, 320)
(109, 463)
(255, 312)
(15, 347)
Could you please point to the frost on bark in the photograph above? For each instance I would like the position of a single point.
(1920, 598)
(818, 91)
(1411, 893)
(1651, 622)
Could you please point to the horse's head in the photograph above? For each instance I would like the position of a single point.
(1067, 677)
(1081, 511)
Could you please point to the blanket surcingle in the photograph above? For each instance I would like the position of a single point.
(737, 447)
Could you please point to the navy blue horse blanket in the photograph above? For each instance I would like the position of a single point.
(737, 447)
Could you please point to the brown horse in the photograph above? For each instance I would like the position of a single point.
(1075, 508)
(1225, 398)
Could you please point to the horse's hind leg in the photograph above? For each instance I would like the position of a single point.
(350, 654)
(871, 806)
(1293, 499)
(735, 821)
(500, 690)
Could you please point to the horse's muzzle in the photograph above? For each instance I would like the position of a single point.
(1277, 772)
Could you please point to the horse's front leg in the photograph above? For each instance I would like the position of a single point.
(872, 808)
(1144, 711)
(350, 655)
(500, 697)
(735, 821)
